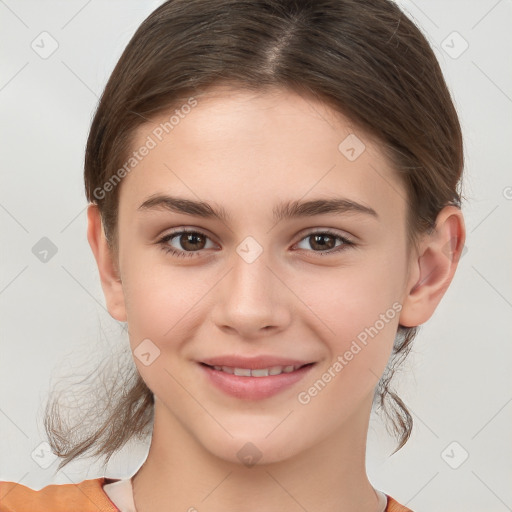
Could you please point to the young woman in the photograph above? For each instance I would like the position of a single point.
(274, 209)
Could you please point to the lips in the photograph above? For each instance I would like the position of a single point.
(254, 378)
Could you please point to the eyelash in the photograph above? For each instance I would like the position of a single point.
(184, 254)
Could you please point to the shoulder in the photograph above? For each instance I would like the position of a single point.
(86, 496)
(394, 506)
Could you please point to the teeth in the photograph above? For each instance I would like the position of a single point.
(259, 372)
(242, 372)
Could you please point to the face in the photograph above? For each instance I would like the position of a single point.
(292, 270)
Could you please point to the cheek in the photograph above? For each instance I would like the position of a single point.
(161, 300)
(359, 308)
(160, 305)
(362, 311)
(349, 299)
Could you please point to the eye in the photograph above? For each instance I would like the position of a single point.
(191, 241)
(325, 242)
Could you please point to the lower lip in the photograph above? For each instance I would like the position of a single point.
(254, 388)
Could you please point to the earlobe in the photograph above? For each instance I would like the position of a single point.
(107, 265)
(433, 267)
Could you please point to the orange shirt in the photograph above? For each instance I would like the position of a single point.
(87, 496)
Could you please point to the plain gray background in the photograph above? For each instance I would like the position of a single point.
(456, 382)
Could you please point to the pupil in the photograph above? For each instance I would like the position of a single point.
(191, 239)
(318, 238)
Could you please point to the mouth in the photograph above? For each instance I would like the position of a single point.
(257, 372)
(254, 379)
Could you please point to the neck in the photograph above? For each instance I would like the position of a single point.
(179, 474)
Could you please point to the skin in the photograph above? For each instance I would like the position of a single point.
(247, 152)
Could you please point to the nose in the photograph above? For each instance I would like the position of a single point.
(252, 300)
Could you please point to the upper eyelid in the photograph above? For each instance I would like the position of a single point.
(180, 231)
(313, 231)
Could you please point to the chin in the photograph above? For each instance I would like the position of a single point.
(252, 450)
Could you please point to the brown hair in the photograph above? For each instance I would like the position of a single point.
(363, 58)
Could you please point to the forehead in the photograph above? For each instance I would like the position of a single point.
(242, 149)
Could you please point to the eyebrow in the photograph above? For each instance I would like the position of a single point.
(285, 210)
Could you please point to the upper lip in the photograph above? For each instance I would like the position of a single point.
(253, 363)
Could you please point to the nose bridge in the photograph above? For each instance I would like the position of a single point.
(252, 282)
(251, 298)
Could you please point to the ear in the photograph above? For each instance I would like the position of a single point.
(433, 266)
(107, 265)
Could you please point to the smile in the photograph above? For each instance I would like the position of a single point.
(257, 372)
(256, 383)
